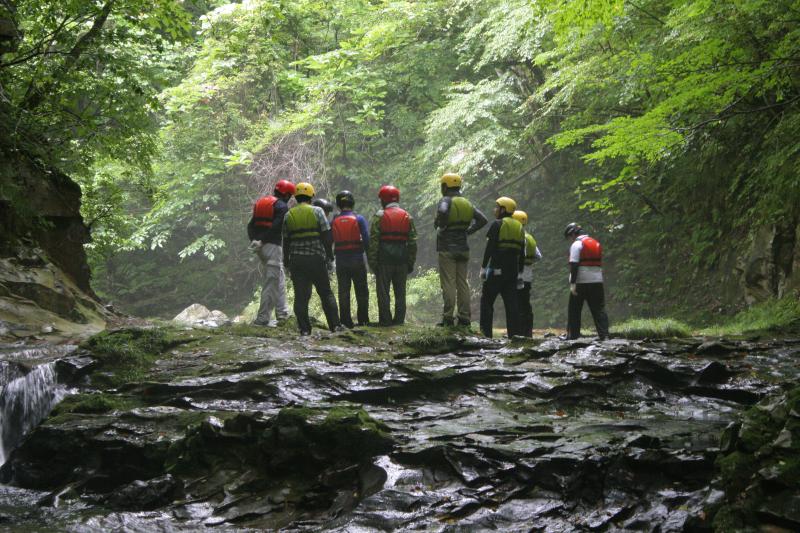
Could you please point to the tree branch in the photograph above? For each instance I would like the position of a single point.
(36, 94)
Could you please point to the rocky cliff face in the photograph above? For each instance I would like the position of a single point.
(771, 265)
(44, 276)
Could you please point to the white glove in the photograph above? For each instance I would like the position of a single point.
(484, 274)
(520, 283)
(573, 288)
(331, 266)
(255, 246)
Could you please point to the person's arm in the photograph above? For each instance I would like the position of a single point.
(286, 244)
(362, 227)
(278, 214)
(574, 261)
(442, 212)
(479, 220)
(374, 242)
(411, 245)
(325, 233)
(491, 243)
(251, 230)
(327, 241)
(537, 256)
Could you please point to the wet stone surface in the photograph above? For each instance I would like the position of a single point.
(402, 429)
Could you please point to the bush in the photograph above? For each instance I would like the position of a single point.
(772, 315)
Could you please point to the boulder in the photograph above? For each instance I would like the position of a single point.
(200, 315)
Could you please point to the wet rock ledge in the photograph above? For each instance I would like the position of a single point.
(413, 428)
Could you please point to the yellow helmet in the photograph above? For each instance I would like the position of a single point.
(522, 216)
(451, 180)
(506, 203)
(304, 189)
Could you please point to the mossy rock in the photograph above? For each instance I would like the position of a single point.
(126, 355)
(93, 403)
(433, 341)
(295, 440)
(758, 429)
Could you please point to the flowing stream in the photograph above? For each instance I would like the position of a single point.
(29, 389)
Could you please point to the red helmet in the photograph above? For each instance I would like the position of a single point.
(285, 187)
(389, 193)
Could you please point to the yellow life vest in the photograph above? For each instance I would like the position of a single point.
(302, 223)
(460, 215)
(511, 236)
(530, 249)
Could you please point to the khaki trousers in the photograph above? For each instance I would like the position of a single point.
(453, 278)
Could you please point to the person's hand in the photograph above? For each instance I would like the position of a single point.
(520, 283)
(255, 246)
(331, 266)
(573, 288)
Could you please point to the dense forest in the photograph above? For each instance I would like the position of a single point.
(668, 128)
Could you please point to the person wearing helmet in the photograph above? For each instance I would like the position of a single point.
(308, 254)
(350, 241)
(456, 218)
(391, 254)
(265, 231)
(531, 255)
(585, 282)
(503, 262)
(325, 205)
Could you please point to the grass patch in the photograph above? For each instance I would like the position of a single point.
(429, 340)
(650, 328)
(126, 355)
(93, 403)
(770, 316)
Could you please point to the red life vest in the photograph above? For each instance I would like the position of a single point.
(263, 211)
(347, 233)
(591, 253)
(395, 224)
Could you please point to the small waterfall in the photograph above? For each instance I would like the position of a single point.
(25, 402)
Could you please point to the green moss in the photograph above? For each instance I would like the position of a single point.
(356, 418)
(93, 403)
(729, 518)
(430, 340)
(652, 328)
(758, 429)
(126, 355)
(737, 469)
(773, 316)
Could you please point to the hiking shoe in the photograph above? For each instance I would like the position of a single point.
(464, 322)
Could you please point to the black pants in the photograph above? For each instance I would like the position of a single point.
(357, 275)
(525, 310)
(507, 288)
(391, 276)
(594, 295)
(309, 271)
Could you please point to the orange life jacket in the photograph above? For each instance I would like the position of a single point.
(347, 233)
(395, 224)
(591, 253)
(263, 211)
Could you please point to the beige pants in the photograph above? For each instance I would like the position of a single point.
(453, 277)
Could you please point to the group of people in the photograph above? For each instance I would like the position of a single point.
(311, 243)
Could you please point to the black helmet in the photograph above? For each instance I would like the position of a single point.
(324, 204)
(345, 199)
(572, 229)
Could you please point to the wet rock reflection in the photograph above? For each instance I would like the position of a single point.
(397, 431)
